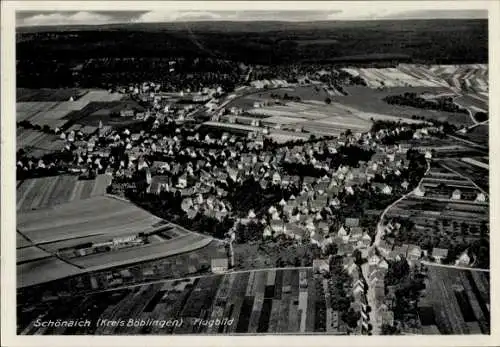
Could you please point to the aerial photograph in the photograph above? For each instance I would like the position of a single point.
(252, 172)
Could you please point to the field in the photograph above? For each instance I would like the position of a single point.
(174, 246)
(313, 117)
(93, 216)
(371, 100)
(262, 301)
(36, 143)
(52, 106)
(478, 175)
(46, 192)
(401, 76)
(456, 302)
(40, 95)
(44, 270)
(479, 134)
(476, 102)
(469, 78)
(62, 221)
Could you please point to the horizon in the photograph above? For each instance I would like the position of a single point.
(33, 19)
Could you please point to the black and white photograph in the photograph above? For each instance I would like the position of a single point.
(250, 171)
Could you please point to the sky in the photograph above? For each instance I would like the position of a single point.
(356, 11)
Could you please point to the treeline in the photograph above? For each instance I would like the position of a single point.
(444, 104)
(45, 58)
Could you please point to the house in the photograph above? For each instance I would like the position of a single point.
(356, 233)
(384, 248)
(321, 266)
(480, 197)
(405, 185)
(419, 191)
(463, 259)
(277, 226)
(414, 253)
(182, 181)
(268, 232)
(383, 265)
(317, 239)
(342, 232)
(439, 253)
(276, 179)
(295, 232)
(379, 187)
(366, 240)
(159, 184)
(352, 222)
(456, 195)
(358, 288)
(219, 265)
(373, 262)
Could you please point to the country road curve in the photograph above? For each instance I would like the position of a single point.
(380, 226)
(370, 295)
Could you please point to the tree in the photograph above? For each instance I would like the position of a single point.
(328, 101)
(351, 318)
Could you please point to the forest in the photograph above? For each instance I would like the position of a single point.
(82, 56)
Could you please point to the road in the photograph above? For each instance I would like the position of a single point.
(427, 263)
(380, 225)
(471, 115)
(193, 277)
(370, 295)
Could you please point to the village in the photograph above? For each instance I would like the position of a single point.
(323, 192)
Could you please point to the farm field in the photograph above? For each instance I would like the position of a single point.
(44, 270)
(262, 301)
(24, 94)
(479, 134)
(52, 107)
(181, 244)
(332, 119)
(456, 301)
(371, 101)
(36, 142)
(46, 192)
(30, 253)
(478, 175)
(473, 101)
(93, 216)
(401, 76)
(472, 78)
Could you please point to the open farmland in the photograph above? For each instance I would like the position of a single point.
(471, 78)
(478, 134)
(476, 174)
(37, 143)
(51, 106)
(91, 221)
(262, 301)
(330, 119)
(473, 101)
(401, 76)
(46, 192)
(24, 94)
(44, 270)
(456, 302)
(371, 101)
(94, 216)
(31, 253)
(151, 251)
